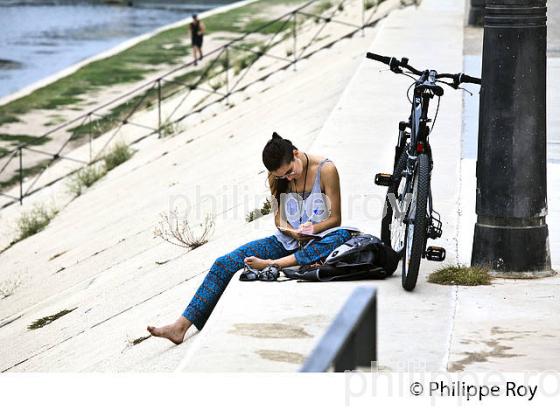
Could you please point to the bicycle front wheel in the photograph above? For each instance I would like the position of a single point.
(393, 226)
(416, 220)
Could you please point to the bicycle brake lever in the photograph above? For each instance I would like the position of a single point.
(455, 86)
(452, 85)
(464, 89)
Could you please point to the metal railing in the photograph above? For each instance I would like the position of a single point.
(110, 117)
(351, 340)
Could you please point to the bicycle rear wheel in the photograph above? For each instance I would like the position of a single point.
(392, 224)
(416, 231)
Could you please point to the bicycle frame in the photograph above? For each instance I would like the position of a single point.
(418, 142)
(410, 180)
(419, 131)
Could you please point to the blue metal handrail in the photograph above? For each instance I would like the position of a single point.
(351, 340)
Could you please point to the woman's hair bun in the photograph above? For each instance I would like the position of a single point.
(277, 152)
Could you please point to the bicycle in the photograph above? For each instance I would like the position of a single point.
(409, 219)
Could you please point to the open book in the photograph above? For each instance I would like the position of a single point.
(307, 235)
(320, 234)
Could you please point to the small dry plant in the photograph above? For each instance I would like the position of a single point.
(178, 232)
(9, 286)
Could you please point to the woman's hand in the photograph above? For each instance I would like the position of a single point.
(306, 229)
(295, 234)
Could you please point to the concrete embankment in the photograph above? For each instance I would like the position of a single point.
(98, 258)
(105, 261)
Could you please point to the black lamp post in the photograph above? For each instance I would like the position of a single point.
(511, 234)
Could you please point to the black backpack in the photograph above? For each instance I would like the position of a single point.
(363, 256)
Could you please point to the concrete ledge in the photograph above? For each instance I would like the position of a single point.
(523, 275)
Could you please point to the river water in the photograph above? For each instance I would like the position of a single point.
(39, 38)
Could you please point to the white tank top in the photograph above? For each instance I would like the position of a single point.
(311, 206)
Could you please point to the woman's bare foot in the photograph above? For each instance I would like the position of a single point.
(257, 263)
(174, 332)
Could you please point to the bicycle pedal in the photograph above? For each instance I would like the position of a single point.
(435, 253)
(434, 227)
(434, 232)
(382, 179)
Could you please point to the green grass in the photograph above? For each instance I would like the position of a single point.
(268, 26)
(119, 153)
(109, 121)
(17, 139)
(257, 213)
(85, 178)
(34, 221)
(217, 84)
(140, 102)
(7, 118)
(461, 275)
(245, 54)
(368, 4)
(140, 340)
(27, 172)
(201, 101)
(39, 323)
(323, 6)
(54, 120)
(169, 129)
(128, 66)
(248, 53)
(371, 3)
(145, 100)
(60, 93)
(136, 62)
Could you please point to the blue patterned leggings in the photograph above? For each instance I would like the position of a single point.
(206, 297)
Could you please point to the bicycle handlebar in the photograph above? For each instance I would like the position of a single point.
(460, 78)
(394, 63)
(380, 58)
(395, 66)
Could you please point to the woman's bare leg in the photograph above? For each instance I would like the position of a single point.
(210, 290)
(174, 332)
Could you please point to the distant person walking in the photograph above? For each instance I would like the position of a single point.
(197, 36)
